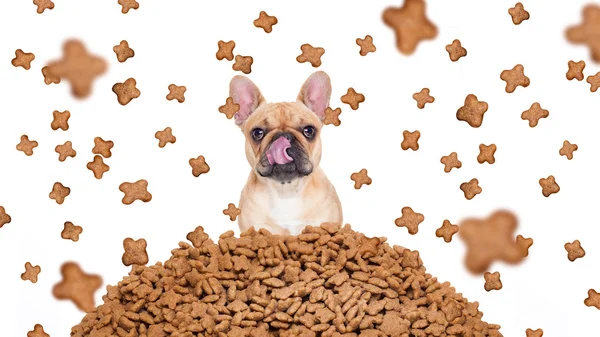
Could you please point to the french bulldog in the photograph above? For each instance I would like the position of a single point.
(286, 189)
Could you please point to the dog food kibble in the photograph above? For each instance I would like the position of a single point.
(534, 333)
(38, 331)
(366, 45)
(128, 4)
(135, 191)
(575, 70)
(593, 299)
(243, 64)
(471, 189)
(310, 54)
(232, 212)
(60, 120)
(59, 193)
(225, 50)
(490, 239)
(534, 114)
(230, 108)
(410, 220)
(199, 166)
(447, 230)
(123, 51)
(126, 91)
(574, 250)
(77, 286)
(65, 150)
(71, 232)
(327, 281)
(410, 24)
(26, 146)
(360, 178)
(451, 161)
(549, 186)
(103, 147)
(332, 116)
(486, 153)
(98, 167)
(587, 32)
(492, 281)
(4, 217)
(265, 21)
(456, 50)
(472, 112)
(22, 59)
(518, 13)
(31, 273)
(49, 76)
(411, 140)
(514, 77)
(524, 244)
(352, 98)
(135, 252)
(176, 92)
(567, 149)
(42, 5)
(165, 136)
(594, 81)
(422, 97)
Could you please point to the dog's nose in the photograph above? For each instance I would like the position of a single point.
(287, 135)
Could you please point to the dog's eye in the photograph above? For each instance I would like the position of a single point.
(258, 134)
(309, 131)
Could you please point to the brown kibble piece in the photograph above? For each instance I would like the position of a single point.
(243, 64)
(65, 150)
(574, 250)
(366, 45)
(524, 244)
(332, 116)
(587, 31)
(230, 108)
(103, 147)
(77, 286)
(26, 146)
(486, 153)
(471, 189)
(71, 232)
(534, 333)
(593, 299)
(123, 51)
(594, 81)
(472, 112)
(42, 5)
(514, 77)
(567, 149)
(98, 167)
(310, 54)
(451, 161)
(410, 220)
(135, 191)
(165, 136)
(176, 92)
(31, 273)
(410, 24)
(575, 70)
(456, 50)
(60, 120)
(4, 217)
(225, 50)
(232, 211)
(549, 186)
(197, 237)
(49, 76)
(411, 140)
(135, 252)
(534, 114)
(492, 281)
(422, 97)
(447, 230)
(352, 98)
(518, 13)
(360, 178)
(265, 21)
(22, 59)
(59, 193)
(199, 166)
(38, 331)
(126, 91)
(128, 4)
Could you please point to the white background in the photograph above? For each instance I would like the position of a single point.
(175, 42)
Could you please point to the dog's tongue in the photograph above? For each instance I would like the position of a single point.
(277, 153)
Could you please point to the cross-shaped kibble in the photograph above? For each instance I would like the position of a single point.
(574, 250)
(176, 92)
(77, 286)
(59, 193)
(361, 178)
(593, 299)
(451, 161)
(524, 244)
(310, 54)
(411, 140)
(65, 150)
(22, 59)
(410, 220)
(4, 217)
(123, 51)
(98, 167)
(472, 112)
(42, 5)
(49, 76)
(492, 281)
(197, 237)
(518, 13)
(31, 273)
(332, 116)
(135, 191)
(126, 91)
(549, 186)
(471, 189)
(26, 146)
(230, 108)
(103, 147)
(38, 331)
(567, 149)
(225, 50)
(456, 50)
(587, 31)
(594, 81)
(199, 166)
(71, 232)
(486, 153)
(410, 25)
(515, 77)
(353, 98)
(243, 64)
(534, 114)
(265, 21)
(165, 136)
(135, 252)
(366, 45)
(60, 120)
(447, 230)
(575, 70)
(534, 333)
(128, 4)
(422, 97)
(232, 211)
(410, 259)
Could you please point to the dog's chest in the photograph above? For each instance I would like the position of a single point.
(288, 212)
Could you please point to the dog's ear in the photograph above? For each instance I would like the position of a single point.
(245, 93)
(316, 92)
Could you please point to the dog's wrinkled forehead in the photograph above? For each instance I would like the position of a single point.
(279, 116)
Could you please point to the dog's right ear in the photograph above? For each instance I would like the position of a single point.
(245, 93)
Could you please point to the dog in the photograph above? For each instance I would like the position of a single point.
(286, 189)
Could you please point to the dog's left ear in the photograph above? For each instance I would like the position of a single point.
(316, 92)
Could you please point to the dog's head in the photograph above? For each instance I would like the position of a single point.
(283, 140)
